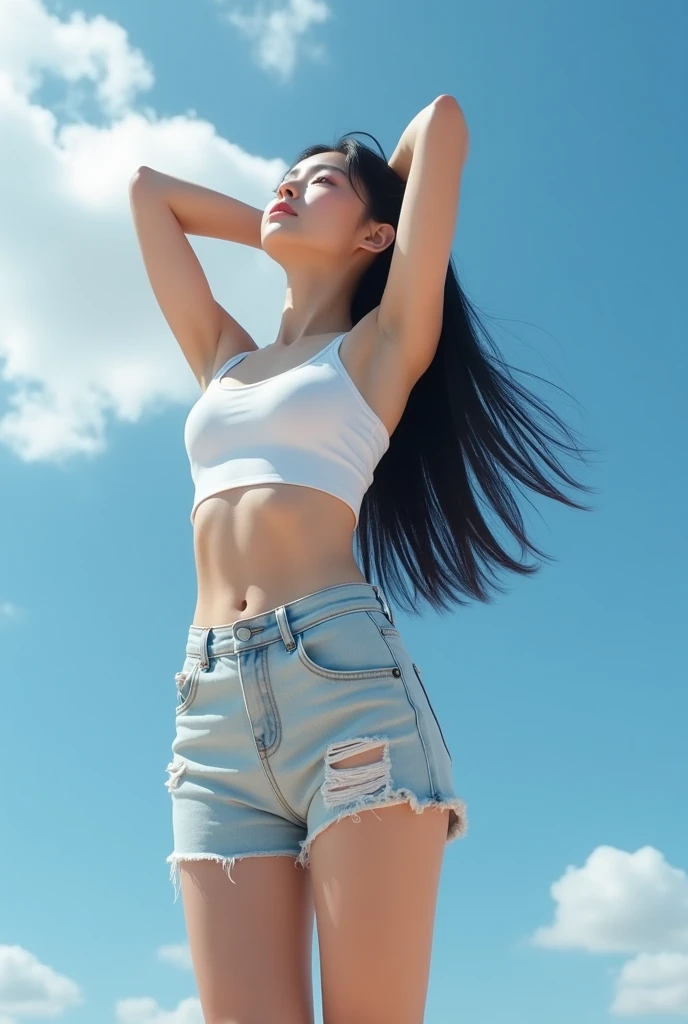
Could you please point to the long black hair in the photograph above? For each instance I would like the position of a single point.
(471, 434)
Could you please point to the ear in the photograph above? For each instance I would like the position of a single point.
(378, 238)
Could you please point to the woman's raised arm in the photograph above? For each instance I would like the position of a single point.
(165, 210)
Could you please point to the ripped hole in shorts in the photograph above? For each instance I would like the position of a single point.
(353, 772)
(358, 778)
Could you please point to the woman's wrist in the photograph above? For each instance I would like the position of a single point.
(400, 160)
(203, 211)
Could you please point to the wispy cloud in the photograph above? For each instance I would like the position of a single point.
(9, 613)
(147, 1011)
(621, 902)
(281, 34)
(178, 956)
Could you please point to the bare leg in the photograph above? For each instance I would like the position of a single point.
(375, 884)
(251, 939)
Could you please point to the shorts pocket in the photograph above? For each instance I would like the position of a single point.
(417, 671)
(345, 648)
(187, 685)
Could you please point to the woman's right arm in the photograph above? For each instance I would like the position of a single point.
(165, 210)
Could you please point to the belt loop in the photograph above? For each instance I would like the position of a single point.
(205, 660)
(285, 631)
(383, 601)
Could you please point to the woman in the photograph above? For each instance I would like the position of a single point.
(304, 734)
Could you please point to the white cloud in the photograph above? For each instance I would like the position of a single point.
(82, 339)
(653, 983)
(619, 902)
(34, 42)
(147, 1011)
(281, 35)
(29, 988)
(179, 956)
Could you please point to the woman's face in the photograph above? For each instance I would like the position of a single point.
(328, 211)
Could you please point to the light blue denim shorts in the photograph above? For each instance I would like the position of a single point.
(267, 704)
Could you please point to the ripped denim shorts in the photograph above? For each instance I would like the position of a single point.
(267, 706)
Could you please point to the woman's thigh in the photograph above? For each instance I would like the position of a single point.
(375, 881)
(250, 939)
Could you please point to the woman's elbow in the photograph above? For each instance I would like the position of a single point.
(143, 175)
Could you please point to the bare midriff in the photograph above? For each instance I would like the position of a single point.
(262, 546)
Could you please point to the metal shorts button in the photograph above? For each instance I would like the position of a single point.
(243, 633)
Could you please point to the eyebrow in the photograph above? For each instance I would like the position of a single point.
(313, 169)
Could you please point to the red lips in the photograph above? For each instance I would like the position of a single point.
(281, 205)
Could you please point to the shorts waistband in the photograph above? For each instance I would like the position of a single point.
(282, 622)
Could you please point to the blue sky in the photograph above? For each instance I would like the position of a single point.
(564, 702)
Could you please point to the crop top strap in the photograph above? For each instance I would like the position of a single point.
(230, 362)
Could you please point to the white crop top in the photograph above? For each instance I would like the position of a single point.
(308, 425)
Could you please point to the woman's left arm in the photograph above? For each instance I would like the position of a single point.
(430, 156)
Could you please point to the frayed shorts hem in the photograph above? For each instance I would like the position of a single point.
(227, 863)
(457, 828)
(455, 806)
